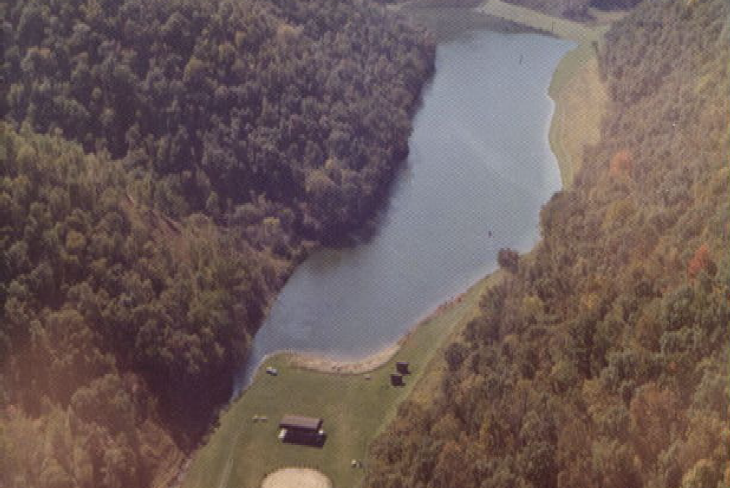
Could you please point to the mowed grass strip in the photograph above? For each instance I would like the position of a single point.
(242, 452)
(563, 28)
(580, 102)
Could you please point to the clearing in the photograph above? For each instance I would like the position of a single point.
(355, 408)
(296, 478)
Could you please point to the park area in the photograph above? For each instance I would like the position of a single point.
(245, 448)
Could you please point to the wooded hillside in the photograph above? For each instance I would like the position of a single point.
(604, 362)
(164, 166)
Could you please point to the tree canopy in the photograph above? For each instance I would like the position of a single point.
(164, 166)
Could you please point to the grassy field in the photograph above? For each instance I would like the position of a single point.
(241, 452)
(580, 102)
(564, 28)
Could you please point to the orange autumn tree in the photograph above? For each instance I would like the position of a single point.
(701, 261)
(621, 164)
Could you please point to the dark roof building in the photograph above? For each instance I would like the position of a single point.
(306, 431)
(301, 423)
(396, 380)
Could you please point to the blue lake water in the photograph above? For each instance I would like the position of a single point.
(479, 162)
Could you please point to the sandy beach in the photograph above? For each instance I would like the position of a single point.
(326, 365)
(370, 363)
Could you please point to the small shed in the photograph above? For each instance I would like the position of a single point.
(402, 367)
(297, 429)
(301, 423)
(396, 379)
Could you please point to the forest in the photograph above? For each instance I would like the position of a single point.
(602, 360)
(165, 165)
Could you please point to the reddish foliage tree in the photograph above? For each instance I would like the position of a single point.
(621, 164)
(701, 261)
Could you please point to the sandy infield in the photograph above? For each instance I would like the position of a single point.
(296, 478)
(325, 365)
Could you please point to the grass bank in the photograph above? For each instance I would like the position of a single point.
(241, 452)
(557, 26)
(576, 88)
(580, 102)
(580, 98)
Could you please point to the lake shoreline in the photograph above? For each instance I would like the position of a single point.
(371, 362)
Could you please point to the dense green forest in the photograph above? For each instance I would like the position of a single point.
(165, 164)
(301, 104)
(109, 310)
(603, 361)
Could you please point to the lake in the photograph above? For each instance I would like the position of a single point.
(479, 170)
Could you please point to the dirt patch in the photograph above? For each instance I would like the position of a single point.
(296, 478)
(326, 365)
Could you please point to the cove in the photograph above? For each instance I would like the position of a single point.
(479, 170)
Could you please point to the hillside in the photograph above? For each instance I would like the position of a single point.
(604, 362)
(165, 164)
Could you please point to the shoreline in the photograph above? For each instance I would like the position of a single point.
(322, 364)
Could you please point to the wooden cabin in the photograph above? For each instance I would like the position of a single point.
(301, 423)
(396, 379)
(402, 367)
(298, 429)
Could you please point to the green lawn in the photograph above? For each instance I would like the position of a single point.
(580, 100)
(241, 452)
(564, 28)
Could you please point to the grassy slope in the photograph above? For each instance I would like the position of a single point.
(240, 453)
(580, 102)
(580, 97)
(566, 29)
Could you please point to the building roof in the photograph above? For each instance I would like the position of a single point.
(300, 422)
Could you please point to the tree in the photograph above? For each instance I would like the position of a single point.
(701, 261)
(622, 164)
(508, 259)
(654, 413)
